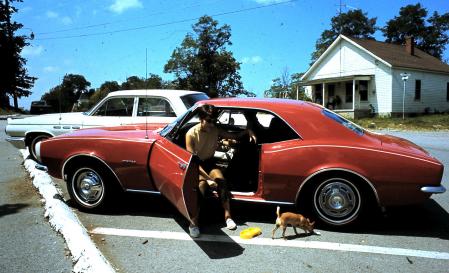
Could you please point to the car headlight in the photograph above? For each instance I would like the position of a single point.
(38, 151)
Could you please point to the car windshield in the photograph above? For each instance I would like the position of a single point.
(348, 124)
(169, 127)
(191, 99)
(88, 112)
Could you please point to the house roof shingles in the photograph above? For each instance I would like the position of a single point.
(397, 56)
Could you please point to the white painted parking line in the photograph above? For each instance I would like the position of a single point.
(278, 242)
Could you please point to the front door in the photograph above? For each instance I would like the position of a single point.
(175, 175)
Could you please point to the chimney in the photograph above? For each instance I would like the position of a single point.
(410, 45)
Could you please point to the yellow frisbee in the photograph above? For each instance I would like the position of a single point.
(250, 232)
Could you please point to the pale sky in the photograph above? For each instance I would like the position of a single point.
(105, 40)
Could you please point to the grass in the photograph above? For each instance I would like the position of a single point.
(435, 122)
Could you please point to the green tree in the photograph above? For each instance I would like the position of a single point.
(353, 23)
(133, 83)
(14, 78)
(63, 97)
(287, 87)
(203, 63)
(297, 90)
(431, 37)
(103, 91)
(280, 87)
(152, 82)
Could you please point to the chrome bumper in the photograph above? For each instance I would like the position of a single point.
(41, 167)
(18, 142)
(433, 189)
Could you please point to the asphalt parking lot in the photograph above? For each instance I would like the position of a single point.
(142, 233)
(145, 233)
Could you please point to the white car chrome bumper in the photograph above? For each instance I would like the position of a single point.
(18, 142)
(41, 167)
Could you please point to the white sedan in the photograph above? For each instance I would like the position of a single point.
(155, 107)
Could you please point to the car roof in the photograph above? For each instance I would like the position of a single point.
(270, 104)
(153, 92)
(305, 118)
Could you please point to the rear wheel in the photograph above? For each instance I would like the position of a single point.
(87, 188)
(32, 146)
(337, 201)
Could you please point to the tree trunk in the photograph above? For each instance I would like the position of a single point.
(4, 101)
(16, 104)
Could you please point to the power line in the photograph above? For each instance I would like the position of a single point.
(118, 21)
(164, 24)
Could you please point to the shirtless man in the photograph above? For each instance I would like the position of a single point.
(202, 140)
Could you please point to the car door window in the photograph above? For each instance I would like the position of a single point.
(278, 130)
(267, 127)
(156, 107)
(116, 107)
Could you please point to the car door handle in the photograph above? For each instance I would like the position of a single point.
(182, 165)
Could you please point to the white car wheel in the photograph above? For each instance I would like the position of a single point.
(32, 146)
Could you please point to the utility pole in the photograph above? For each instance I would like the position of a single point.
(404, 76)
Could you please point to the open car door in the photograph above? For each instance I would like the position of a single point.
(175, 174)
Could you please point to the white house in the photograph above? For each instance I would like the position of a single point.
(357, 77)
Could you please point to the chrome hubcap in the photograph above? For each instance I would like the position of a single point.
(88, 187)
(338, 201)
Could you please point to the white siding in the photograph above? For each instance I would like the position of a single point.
(385, 87)
(382, 88)
(433, 91)
(351, 61)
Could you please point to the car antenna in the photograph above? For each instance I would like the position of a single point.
(146, 97)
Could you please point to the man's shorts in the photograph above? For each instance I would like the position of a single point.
(208, 165)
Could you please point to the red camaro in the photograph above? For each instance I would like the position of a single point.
(305, 155)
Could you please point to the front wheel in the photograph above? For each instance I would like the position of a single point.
(337, 201)
(34, 142)
(87, 188)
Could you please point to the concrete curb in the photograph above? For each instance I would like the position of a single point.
(85, 256)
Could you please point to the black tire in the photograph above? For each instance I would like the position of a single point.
(87, 187)
(32, 147)
(337, 201)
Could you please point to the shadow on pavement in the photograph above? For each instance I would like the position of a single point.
(135, 204)
(425, 220)
(11, 208)
(213, 249)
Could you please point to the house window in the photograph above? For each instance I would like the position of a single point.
(447, 91)
(363, 90)
(348, 96)
(418, 90)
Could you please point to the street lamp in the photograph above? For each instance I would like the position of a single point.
(405, 77)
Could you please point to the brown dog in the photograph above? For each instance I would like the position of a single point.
(294, 220)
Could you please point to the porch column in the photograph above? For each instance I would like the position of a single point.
(322, 95)
(353, 94)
